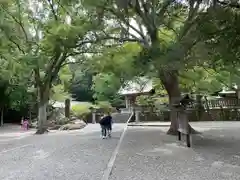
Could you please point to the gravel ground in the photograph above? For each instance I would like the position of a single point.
(146, 153)
(150, 154)
(57, 156)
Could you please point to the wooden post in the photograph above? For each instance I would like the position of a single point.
(126, 102)
(179, 132)
(238, 93)
(188, 140)
(94, 117)
(67, 108)
(179, 136)
(137, 114)
(200, 108)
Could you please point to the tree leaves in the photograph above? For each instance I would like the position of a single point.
(204, 80)
(105, 86)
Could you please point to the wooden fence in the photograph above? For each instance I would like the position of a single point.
(213, 110)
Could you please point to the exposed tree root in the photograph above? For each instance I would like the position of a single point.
(174, 131)
(42, 131)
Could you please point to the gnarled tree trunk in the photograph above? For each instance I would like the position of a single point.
(171, 84)
(42, 110)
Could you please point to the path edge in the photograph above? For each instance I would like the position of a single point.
(108, 171)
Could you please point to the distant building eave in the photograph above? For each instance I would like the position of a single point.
(139, 86)
(227, 92)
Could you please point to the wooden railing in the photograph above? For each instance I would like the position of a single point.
(222, 103)
(211, 104)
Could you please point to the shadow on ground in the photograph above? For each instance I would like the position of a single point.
(58, 156)
(150, 154)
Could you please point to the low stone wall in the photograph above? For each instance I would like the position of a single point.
(117, 117)
(147, 116)
(212, 115)
(89, 118)
(221, 115)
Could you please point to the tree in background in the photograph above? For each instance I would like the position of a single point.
(60, 87)
(14, 74)
(119, 39)
(81, 87)
(167, 32)
(46, 35)
(112, 69)
(106, 87)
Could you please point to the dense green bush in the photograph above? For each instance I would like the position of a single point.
(81, 110)
(105, 106)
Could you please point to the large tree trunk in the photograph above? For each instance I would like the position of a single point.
(42, 118)
(42, 110)
(170, 81)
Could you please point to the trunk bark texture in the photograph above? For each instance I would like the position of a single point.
(42, 118)
(170, 81)
(42, 110)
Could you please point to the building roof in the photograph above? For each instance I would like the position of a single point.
(58, 104)
(137, 86)
(226, 90)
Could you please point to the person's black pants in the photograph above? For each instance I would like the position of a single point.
(109, 127)
(104, 130)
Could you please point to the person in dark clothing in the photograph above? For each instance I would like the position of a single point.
(106, 125)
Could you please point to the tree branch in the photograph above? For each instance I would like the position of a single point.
(138, 9)
(148, 11)
(52, 10)
(18, 22)
(18, 46)
(165, 5)
(11, 40)
(190, 21)
(229, 4)
(58, 67)
(37, 76)
(105, 38)
(122, 18)
(214, 75)
(83, 52)
(51, 67)
(60, 5)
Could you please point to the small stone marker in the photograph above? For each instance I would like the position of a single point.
(67, 108)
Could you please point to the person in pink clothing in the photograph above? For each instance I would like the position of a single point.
(25, 124)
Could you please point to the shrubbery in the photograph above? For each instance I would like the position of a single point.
(105, 106)
(81, 110)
